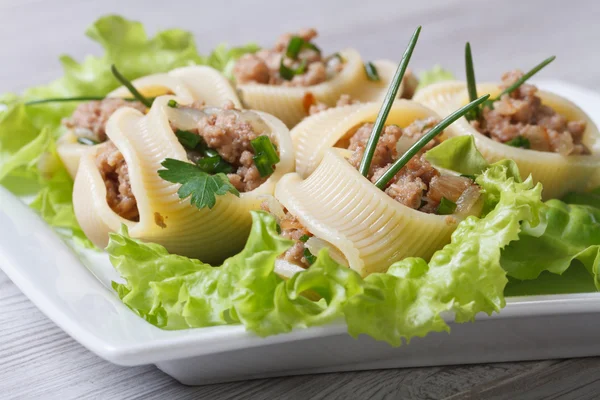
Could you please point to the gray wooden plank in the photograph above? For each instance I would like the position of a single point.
(569, 379)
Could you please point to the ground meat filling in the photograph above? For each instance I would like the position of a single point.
(521, 115)
(263, 66)
(292, 229)
(418, 185)
(316, 106)
(229, 133)
(89, 118)
(115, 173)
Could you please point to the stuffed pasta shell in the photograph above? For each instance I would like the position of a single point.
(364, 227)
(343, 126)
(287, 79)
(118, 181)
(548, 136)
(87, 125)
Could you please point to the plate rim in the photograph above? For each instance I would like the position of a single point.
(203, 341)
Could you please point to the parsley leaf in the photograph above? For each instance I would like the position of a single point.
(519, 141)
(201, 186)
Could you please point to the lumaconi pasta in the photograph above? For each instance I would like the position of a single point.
(559, 174)
(289, 104)
(190, 84)
(372, 230)
(145, 141)
(317, 133)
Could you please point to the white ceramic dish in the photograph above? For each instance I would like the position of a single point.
(74, 291)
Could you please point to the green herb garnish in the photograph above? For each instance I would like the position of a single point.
(66, 99)
(200, 185)
(391, 95)
(426, 138)
(214, 165)
(526, 76)
(134, 92)
(188, 139)
(310, 258)
(471, 83)
(296, 45)
(172, 103)
(87, 141)
(289, 73)
(519, 141)
(265, 156)
(338, 56)
(304, 238)
(371, 72)
(446, 207)
(471, 177)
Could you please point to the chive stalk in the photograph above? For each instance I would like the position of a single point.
(520, 81)
(134, 92)
(426, 138)
(65, 99)
(471, 83)
(371, 71)
(391, 95)
(525, 77)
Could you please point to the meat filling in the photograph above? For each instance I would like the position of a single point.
(315, 107)
(310, 66)
(520, 119)
(292, 229)
(418, 184)
(115, 173)
(89, 118)
(229, 133)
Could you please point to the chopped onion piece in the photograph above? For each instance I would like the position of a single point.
(274, 207)
(84, 133)
(185, 118)
(404, 143)
(314, 245)
(470, 202)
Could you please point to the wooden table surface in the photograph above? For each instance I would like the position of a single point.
(38, 360)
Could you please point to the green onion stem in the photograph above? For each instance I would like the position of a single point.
(471, 82)
(64, 100)
(130, 87)
(525, 77)
(423, 140)
(294, 47)
(391, 95)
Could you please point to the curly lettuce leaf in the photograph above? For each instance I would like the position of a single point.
(175, 292)
(572, 233)
(465, 277)
(29, 165)
(458, 154)
(434, 75)
(576, 279)
(223, 58)
(126, 45)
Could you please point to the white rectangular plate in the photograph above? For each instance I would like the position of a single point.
(73, 290)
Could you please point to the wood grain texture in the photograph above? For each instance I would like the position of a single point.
(38, 360)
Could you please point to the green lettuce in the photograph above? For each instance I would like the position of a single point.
(434, 75)
(175, 292)
(572, 233)
(29, 165)
(465, 277)
(223, 58)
